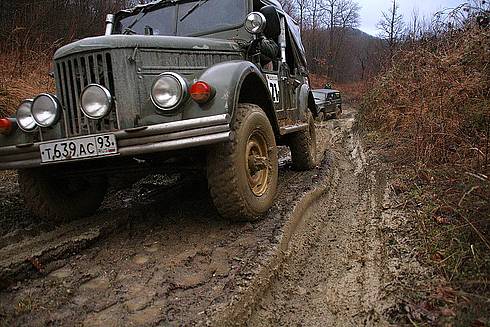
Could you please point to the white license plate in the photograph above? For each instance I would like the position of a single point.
(79, 148)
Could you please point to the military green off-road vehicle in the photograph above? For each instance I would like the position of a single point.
(173, 84)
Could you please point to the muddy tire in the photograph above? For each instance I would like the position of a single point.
(321, 116)
(61, 199)
(303, 147)
(242, 174)
(338, 114)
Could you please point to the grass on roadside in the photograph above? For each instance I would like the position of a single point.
(23, 77)
(430, 112)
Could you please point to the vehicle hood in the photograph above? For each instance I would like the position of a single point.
(326, 91)
(136, 8)
(145, 41)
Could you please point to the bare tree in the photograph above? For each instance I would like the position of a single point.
(341, 15)
(288, 6)
(392, 25)
(348, 14)
(301, 6)
(418, 27)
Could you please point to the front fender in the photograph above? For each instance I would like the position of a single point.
(227, 79)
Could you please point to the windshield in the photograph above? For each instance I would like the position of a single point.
(319, 95)
(184, 18)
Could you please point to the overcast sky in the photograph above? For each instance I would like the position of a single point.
(371, 10)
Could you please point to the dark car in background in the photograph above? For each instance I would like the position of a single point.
(329, 103)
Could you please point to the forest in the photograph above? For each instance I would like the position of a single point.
(336, 49)
(30, 32)
(335, 46)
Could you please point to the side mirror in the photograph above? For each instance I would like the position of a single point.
(255, 23)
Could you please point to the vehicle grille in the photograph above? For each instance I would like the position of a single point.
(73, 75)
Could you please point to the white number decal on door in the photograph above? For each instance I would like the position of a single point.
(273, 83)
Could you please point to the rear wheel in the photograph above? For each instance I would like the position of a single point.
(242, 173)
(326, 116)
(322, 116)
(61, 199)
(303, 146)
(338, 113)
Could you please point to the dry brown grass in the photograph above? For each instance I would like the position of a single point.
(318, 81)
(22, 77)
(431, 110)
(436, 98)
(353, 92)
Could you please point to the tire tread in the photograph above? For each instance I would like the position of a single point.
(222, 175)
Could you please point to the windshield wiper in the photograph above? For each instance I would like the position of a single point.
(140, 15)
(197, 5)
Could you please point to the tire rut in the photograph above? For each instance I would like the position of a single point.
(334, 274)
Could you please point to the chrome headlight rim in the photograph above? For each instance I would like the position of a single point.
(251, 19)
(56, 106)
(26, 105)
(107, 96)
(184, 91)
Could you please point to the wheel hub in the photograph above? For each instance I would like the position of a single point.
(258, 164)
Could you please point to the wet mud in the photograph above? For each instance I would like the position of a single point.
(158, 254)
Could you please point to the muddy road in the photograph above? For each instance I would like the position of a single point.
(334, 273)
(157, 254)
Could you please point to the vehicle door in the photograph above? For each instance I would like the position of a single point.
(320, 99)
(291, 79)
(272, 75)
(328, 103)
(324, 105)
(295, 76)
(272, 70)
(338, 101)
(284, 77)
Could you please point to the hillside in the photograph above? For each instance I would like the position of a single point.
(356, 54)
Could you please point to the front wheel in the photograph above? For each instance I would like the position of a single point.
(243, 173)
(59, 199)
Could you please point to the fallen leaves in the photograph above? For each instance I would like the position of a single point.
(37, 264)
(448, 312)
(422, 311)
(444, 215)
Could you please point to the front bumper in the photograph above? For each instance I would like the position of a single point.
(144, 140)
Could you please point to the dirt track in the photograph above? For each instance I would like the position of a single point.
(334, 274)
(157, 253)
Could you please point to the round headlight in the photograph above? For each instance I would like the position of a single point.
(255, 23)
(168, 91)
(96, 101)
(24, 117)
(46, 110)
